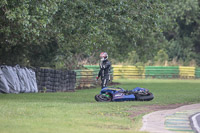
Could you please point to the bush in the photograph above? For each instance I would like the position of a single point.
(133, 57)
(161, 57)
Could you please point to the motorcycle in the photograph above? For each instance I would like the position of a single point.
(109, 94)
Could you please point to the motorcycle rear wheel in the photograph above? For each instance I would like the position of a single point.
(148, 97)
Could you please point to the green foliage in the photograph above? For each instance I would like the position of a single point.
(25, 25)
(182, 37)
(48, 33)
(133, 57)
(161, 56)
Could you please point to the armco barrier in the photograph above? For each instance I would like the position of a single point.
(126, 72)
(161, 71)
(197, 73)
(85, 78)
(187, 72)
(96, 69)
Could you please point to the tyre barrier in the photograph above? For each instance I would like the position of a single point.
(51, 80)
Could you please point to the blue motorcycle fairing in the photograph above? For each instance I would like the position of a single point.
(118, 94)
(122, 97)
(111, 90)
(137, 89)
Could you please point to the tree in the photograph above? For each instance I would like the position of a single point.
(62, 33)
(23, 25)
(183, 34)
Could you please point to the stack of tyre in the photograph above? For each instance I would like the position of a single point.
(51, 80)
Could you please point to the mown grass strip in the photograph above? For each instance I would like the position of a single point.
(78, 112)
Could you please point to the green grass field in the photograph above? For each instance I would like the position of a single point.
(79, 112)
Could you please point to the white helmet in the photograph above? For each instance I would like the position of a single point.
(103, 56)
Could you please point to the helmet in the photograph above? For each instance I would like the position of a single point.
(103, 56)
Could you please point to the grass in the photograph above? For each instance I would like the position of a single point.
(79, 112)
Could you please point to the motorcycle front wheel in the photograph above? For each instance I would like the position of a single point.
(102, 98)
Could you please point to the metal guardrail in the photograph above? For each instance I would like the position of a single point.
(164, 72)
(197, 72)
(86, 77)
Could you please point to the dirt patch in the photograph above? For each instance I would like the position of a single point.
(139, 110)
(114, 83)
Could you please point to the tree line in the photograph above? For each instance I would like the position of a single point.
(69, 33)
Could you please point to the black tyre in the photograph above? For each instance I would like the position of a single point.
(46, 74)
(42, 70)
(57, 76)
(46, 70)
(148, 97)
(56, 80)
(102, 98)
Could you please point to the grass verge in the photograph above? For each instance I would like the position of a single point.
(79, 112)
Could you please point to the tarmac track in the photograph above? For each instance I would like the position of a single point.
(195, 122)
(174, 120)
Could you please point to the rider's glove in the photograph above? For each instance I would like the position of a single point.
(97, 78)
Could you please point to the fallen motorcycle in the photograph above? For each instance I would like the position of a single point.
(109, 94)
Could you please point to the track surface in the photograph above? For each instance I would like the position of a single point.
(195, 120)
(171, 121)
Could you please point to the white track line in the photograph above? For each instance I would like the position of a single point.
(196, 126)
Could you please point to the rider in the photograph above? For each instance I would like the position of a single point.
(104, 71)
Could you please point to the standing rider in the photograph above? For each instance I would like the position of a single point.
(105, 67)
